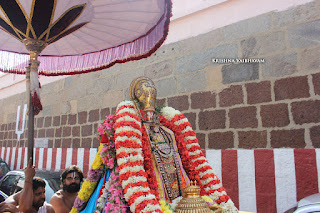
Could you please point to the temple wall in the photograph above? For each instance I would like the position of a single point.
(258, 122)
(271, 104)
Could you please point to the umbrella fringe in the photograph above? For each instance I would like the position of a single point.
(138, 49)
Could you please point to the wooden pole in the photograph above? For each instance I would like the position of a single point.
(30, 116)
(34, 47)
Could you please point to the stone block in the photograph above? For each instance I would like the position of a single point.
(291, 88)
(66, 143)
(192, 119)
(202, 140)
(316, 83)
(306, 111)
(212, 120)
(243, 117)
(310, 59)
(221, 140)
(72, 119)
(113, 110)
(275, 115)
(99, 86)
(231, 96)
(76, 131)
(124, 79)
(166, 87)
(112, 98)
(82, 117)
(76, 91)
(66, 131)
(64, 119)
(86, 130)
(258, 92)
(161, 102)
(40, 122)
(240, 72)
(191, 82)
(104, 112)
(167, 51)
(46, 111)
(202, 59)
(203, 100)
(94, 115)
(57, 143)
(293, 138)
(201, 42)
(279, 65)
(159, 70)
(58, 132)
(50, 133)
(294, 15)
(50, 143)
(261, 45)
(75, 143)
(304, 35)
(90, 102)
(214, 78)
(41, 133)
(110, 71)
(252, 139)
(248, 27)
(179, 102)
(47, 121)
(95, 142)
(86, 142)
(315, 136)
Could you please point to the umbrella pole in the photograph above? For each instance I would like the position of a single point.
(34, 47)
(30, 116)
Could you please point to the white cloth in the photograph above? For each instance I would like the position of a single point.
(43, 209)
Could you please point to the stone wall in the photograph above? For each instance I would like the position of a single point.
(272, 104)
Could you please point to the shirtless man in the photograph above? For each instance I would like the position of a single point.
(32, 197)
(62, 201)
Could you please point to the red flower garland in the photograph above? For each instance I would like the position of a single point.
(188, 165)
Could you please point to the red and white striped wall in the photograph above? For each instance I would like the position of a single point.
(267, 180)
(261, 180)
(49, 158)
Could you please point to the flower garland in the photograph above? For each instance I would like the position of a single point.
(88, 186)
(135, 164)
(104, 156)
(115, 202)
(199, 167)
(130, 159)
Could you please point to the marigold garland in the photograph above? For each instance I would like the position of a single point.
(134, 158)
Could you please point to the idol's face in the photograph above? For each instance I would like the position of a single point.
(72, 183)
(146, 95)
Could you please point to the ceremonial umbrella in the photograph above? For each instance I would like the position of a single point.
(68, 37)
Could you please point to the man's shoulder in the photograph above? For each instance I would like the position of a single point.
(57, 195)
(49, 208)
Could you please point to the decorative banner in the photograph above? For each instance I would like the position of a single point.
(20, 121)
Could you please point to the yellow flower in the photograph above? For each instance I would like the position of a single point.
(86, 190)
(97, 162)
(165, 207)
(207, 199)
(73, 210)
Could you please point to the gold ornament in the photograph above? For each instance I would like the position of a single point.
(192, 202)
